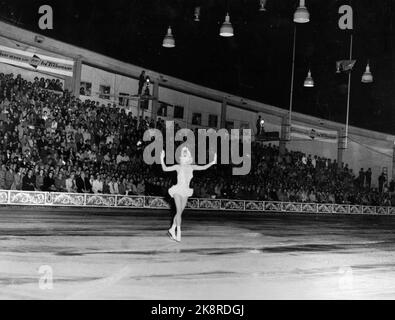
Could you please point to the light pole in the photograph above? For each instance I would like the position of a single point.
(292, 83)
(348, 97)
(301, 16)
(367, 77)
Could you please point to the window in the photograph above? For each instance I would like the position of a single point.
(197, 119)
(244, 126)
(147, 91)
(144, 103)
(104, 92)
(229, 125)
(178, 112)
(86, 89)
(123, 100)
(212, 120)
(162, 111)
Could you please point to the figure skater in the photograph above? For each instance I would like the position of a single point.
(181, 191)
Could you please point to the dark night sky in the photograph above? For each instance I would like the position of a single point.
(256, 63)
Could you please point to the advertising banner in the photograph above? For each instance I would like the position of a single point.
(309, 133)
(36, 61)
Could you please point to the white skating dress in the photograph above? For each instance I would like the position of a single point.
(184, 177)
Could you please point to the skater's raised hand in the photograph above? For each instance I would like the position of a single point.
(200, 168)
(162, 161)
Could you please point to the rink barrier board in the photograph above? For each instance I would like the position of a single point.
(55, 199)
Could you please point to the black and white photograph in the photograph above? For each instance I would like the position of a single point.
(197, 150)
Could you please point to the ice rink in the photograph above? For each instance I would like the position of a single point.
(118, 254)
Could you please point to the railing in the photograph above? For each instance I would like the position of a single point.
(54, 199)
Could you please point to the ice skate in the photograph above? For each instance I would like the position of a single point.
(178, 237)
(172, 235)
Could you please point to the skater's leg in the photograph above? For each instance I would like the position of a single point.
(180, 209)
(183, 204)
(176, 220)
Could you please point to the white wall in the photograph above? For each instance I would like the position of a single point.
(118, 84)
(205, 107)
(318, 148)
(192, 104)
(175, 98)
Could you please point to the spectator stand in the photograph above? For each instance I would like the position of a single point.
(49, 140)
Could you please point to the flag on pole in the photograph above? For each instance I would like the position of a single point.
(345, 65)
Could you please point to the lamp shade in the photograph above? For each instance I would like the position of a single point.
(226, 29)
(302, 15)
(309, 82)
(197, 14)
(338, 65)
(262, 4)
(169, 41)
(367, 76)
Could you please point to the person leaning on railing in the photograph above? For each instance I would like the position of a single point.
(49, 183)
(70, 184)
(29, 182)
(106, 185)
(17, 183)
(60, 183)
(3, 171)
(97, 185)
(83, 184)
(40, 180)
(9, 178)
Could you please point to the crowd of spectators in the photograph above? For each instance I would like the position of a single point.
(52, 141)
(296, 177)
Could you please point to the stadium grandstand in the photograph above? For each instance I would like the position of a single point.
(83, 137)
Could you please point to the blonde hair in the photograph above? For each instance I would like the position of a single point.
(186, 154)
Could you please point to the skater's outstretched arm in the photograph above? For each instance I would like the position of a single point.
(201, 168)
(164, 167)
